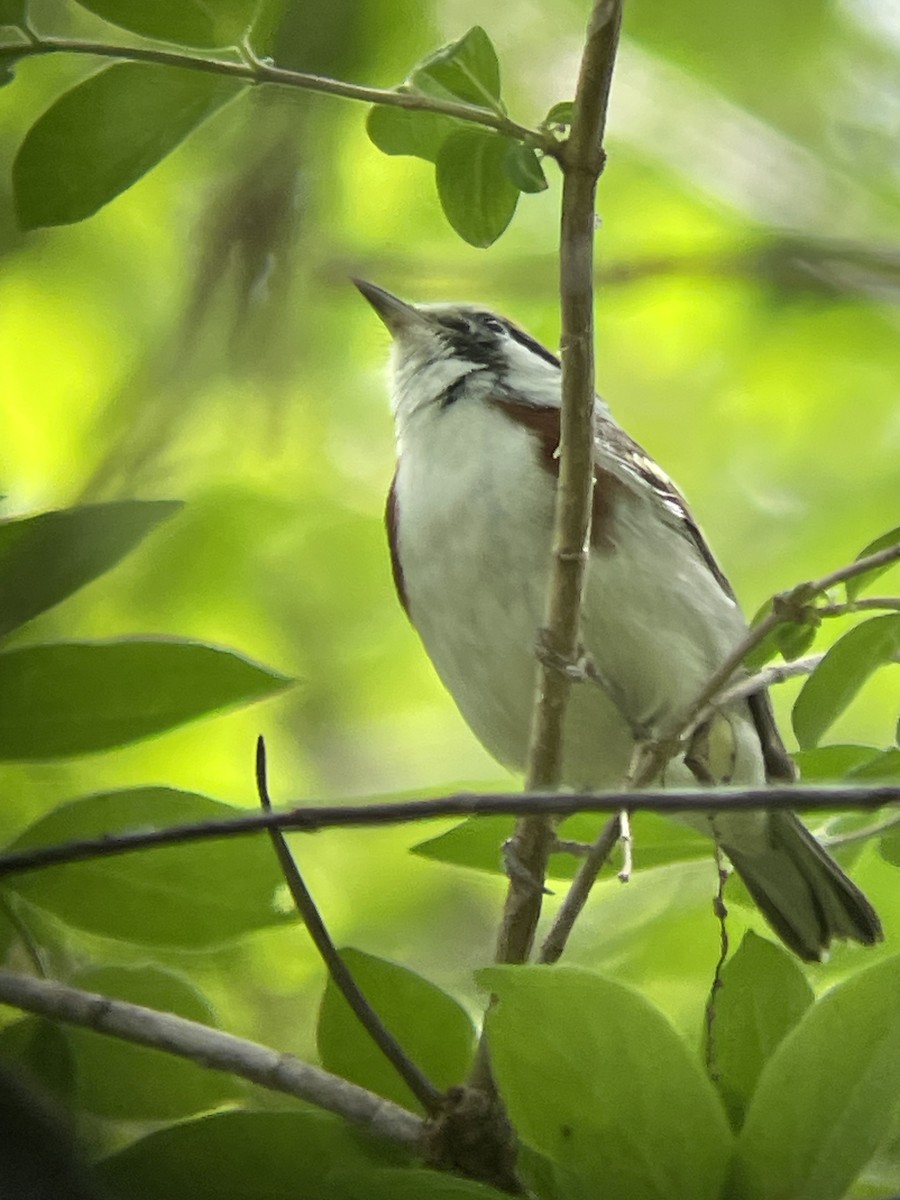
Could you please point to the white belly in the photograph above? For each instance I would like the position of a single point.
(474, 547)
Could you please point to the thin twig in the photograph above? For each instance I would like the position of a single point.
(657, 753)
(211, 1048)
(865, 604)
(861, 835)
(460, 804)
(259, 71)
(582, 162)
(627, 847)
(577, 895)
(421, 1087)
(721, 913)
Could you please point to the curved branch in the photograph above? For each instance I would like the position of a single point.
(211, 1048)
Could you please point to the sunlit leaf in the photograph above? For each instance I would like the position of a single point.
(883, 767)
(841, 673)
(524, 168)
(860, 582)
(190, 895)
(764, 994)
(468, 69)
(406, 131)
(432, 1027)
(594, 1077)
(290, 1155)
(825, 1098)
(69, 698)
(47, 557)
(100, 137)
(476, 194)
(190, 22)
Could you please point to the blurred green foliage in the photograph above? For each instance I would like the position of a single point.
(197, 340)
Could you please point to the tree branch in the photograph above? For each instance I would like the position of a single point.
(668, 801)
(258, 71)
(211, 1048)
(418, 1083)
(582, 162)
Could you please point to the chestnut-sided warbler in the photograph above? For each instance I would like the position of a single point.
(476, 405)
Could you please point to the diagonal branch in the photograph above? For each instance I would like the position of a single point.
(211, 1048)
(418, 1083)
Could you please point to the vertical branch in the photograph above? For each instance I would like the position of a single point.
(582, 160)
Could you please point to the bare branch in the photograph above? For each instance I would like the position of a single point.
(577, 895)
(418, 1083)
(582, 162)
(721, 912)
(460, 804)
(211, 1048)
(259, 71)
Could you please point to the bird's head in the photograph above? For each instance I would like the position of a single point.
(444, 351)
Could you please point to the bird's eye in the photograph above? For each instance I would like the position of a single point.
(494, 324)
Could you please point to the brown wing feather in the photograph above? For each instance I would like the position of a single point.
(543, 421)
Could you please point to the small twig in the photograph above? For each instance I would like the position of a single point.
(258, 71)
(721, 913)
(627, 846)
(577, 895)
(662, 749)
(766, 678)
(213, 1049)
(461, 804)
(421, 1087)
(861, 835)
(866, 604)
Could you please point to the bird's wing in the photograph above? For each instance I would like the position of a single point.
(614, 443)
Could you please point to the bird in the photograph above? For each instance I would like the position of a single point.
(476, 406)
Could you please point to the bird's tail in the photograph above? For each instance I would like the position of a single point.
(802, 892)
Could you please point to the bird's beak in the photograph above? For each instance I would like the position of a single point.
(399, 316)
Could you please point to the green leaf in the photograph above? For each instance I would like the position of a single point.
(524, 168)
(122, 1081)
(241, 1156)
(100, 137)
(408, 1183)
(405, 131)
(889, 846)
(832, 762)
(190, 22)
(433, 1028)
(841, 673)
(826, 1097)
(476, 194)
(190, 895)
(794, 638)
(594, 1077)
(68, 698)
(883, 767)
(466, 69)
(13, 13)
(768, 647)
(764, 994)
(860, 582)
(477, 841)
(47, 557)
(560, 115)
(43, 1050)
